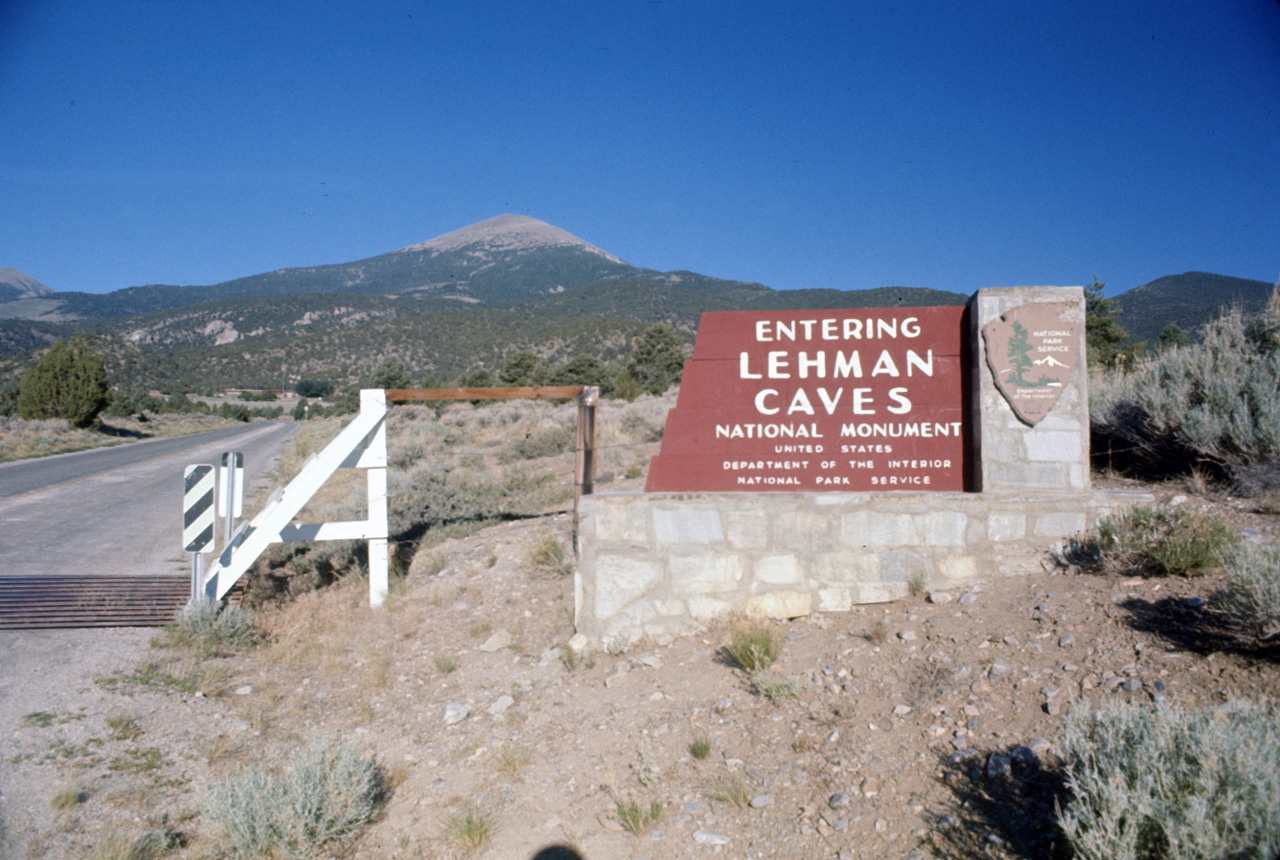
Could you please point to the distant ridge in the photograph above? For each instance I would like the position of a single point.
(1189, 300)
(15, 285)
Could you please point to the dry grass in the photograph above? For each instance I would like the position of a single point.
(20, 438)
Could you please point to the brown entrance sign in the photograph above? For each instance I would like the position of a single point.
(812, 401)
(1032, 350)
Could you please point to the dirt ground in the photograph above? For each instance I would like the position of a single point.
(464, 689)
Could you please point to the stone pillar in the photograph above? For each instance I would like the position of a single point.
(1025, 439)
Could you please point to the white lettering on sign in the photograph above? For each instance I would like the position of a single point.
(778, 365)
(923, 429)
(768, 331)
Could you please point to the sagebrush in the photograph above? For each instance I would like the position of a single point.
(1215, 403)
(209, 629)
(1157, 783)
(1250, 602)
(327, 796)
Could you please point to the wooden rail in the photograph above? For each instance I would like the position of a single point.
(522, 392)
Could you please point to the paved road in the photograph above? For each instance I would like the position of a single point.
(116, 510)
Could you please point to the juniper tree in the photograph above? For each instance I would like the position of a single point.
(69, 381)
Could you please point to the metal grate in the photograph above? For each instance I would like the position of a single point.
(91, 601)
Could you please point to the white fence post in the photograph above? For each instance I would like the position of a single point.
(374, 462)
(362, 444)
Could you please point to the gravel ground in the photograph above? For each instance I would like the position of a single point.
(464, 690)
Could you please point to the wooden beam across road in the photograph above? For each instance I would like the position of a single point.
(525, 392)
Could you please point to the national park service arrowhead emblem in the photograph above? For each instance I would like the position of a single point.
(1032, 350)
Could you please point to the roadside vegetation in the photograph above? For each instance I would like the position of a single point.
(1213, 405)
(455, 469)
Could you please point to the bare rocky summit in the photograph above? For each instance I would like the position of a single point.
(506, 233)
(15, 285)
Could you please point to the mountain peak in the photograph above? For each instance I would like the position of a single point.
(508, 233)
(15, 285)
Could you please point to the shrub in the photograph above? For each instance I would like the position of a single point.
(328, 796)
(753, 644)
(1153, 783)
(1216, 402)
(1163, 541)
(545, 441)
(1251, 600)
(313, 388)
(700, 748)
(774, 687)
(9, 390)
(69, 382)
(209, 630)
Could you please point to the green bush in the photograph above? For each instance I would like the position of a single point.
(1250, 603)
(329, 794)
(1214, 403)
(69, 381)
(658, 360)
(1163, 541)
(9, 390)
(128, 401)
(1156, 783)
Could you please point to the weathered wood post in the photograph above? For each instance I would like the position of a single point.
(585, 468)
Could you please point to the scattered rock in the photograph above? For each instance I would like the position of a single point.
(1011, 640)
(762, 800)
(1234, 706)
(940, 597)
(500, 706)
(245, 690)
(999, 767)
(578, 644)
(840, 800)
(455, 712)
(1024, 758)
(1066, 640)
(497, 642)
(1133, 685)
(901, 710)
(707, 837)
(907, 635)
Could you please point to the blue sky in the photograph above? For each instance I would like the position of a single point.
(849, 145)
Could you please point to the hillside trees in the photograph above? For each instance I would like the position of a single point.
(1103, 333)
(9, 389)
(69, 382)
(658, 360)
(584, 370)
(391, 373)
(523, 368)
(313, 388)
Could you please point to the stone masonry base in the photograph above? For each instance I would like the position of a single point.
(663, 564)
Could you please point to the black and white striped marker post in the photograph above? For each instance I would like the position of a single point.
(197, 521)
